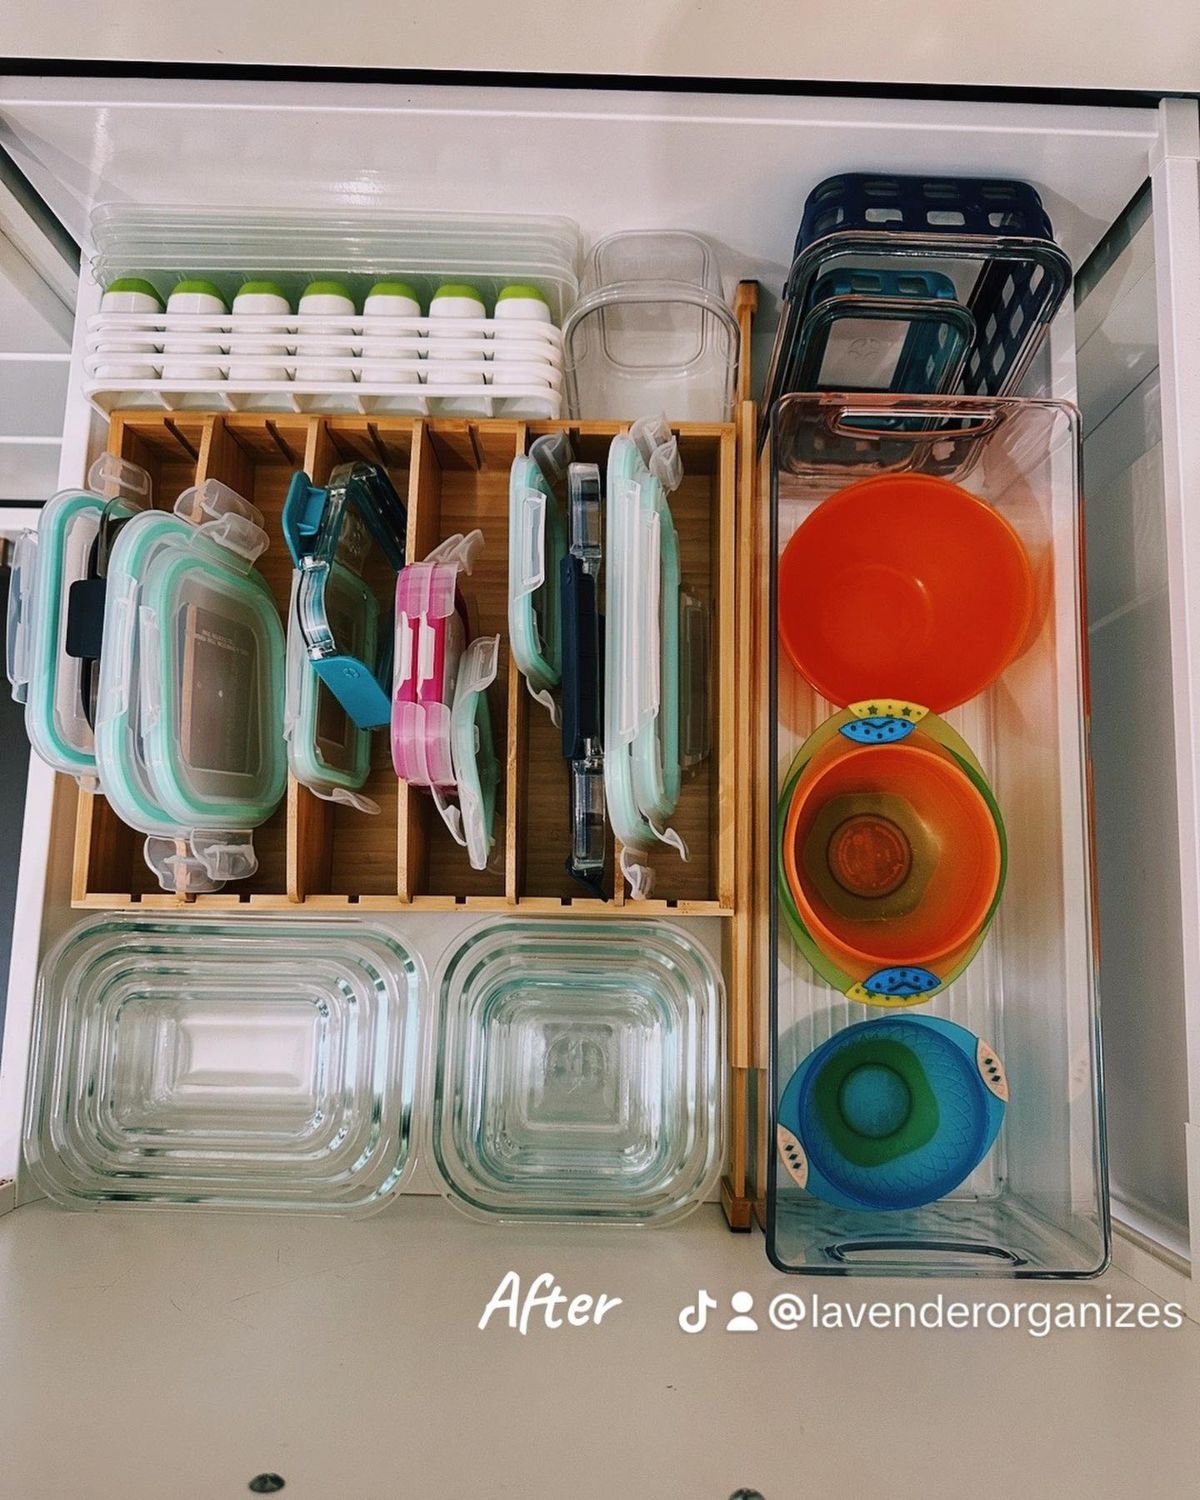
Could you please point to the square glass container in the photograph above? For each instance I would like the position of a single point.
(193, 1062)
(1037, 1203)
(580, 1073)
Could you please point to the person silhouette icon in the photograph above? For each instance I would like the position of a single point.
(742, 1322)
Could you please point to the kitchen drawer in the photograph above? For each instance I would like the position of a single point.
(738, 170)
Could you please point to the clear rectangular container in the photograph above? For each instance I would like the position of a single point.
(1037, 1203)
(651, 331)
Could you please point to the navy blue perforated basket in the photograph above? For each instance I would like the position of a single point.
(996, 234)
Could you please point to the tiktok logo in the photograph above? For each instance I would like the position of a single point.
(694, 1317)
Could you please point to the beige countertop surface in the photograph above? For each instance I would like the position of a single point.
(161, 1354)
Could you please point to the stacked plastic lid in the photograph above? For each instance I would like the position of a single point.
(580, 1073)
(156, 626)
(205, 1064)
(651, 330)
(912, 284)
(162, 243)
(609, 643)
(441, 722)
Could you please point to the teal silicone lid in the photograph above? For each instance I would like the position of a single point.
(134, 284)
(197, 286)
(536, 546)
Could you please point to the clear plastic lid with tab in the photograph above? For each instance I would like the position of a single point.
(536, 547)
(477, 771)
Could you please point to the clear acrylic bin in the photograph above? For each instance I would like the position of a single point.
(651, 331)
(1036, 1205)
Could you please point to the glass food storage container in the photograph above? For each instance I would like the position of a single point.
(194, 1062)
(580, 1073)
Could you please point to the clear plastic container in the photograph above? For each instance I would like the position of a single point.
(198, 1063)
(1036, 1203)
(651, 330)
(580, 1073)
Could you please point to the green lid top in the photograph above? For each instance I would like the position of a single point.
(202, 288)
(458, 289)
(261, 289)
(524, 293)
(133, 284)
(327, 289)
(393, 289)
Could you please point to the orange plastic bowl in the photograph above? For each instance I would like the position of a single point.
(960, 857)
(904, 585)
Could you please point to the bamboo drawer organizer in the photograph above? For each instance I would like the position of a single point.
(455, 474)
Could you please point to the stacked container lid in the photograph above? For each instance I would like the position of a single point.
(914, 284)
